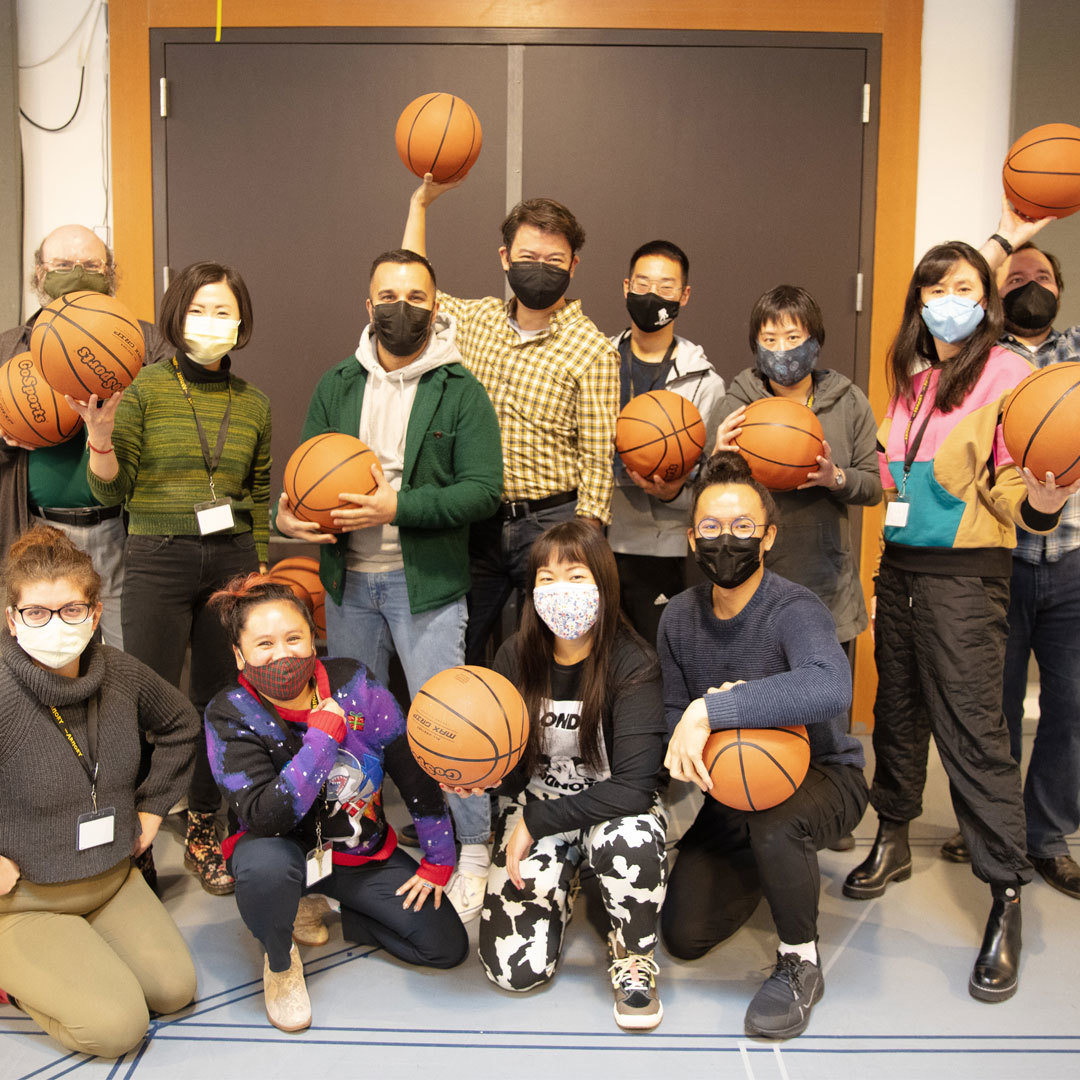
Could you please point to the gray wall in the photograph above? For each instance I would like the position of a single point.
(10, 170)
(1046, 90)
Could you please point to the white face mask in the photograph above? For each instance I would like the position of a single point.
(56, 643)
(207, 338)
(570, 609)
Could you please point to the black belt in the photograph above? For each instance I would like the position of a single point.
(511, 511)
(80, 515)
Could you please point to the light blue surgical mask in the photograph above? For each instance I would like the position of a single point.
(952, 318)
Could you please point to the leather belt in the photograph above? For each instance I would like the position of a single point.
(513, 510)
(80, 515)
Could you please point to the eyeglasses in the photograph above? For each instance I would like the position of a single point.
(94, 266)
(665, 288)
(742, 528)
(36, 615)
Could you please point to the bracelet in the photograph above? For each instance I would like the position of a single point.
(109, 450)
(1005, 245)
(841, 479)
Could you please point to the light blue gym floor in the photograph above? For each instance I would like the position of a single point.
(896, 1003)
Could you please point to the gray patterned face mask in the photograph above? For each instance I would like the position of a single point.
(789, 367)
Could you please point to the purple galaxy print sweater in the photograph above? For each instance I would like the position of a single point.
(272, 771)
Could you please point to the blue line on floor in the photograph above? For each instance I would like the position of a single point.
(51, 1064)
(142, 1050)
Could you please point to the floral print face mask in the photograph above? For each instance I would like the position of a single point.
(569, 609)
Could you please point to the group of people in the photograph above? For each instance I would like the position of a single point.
(493, 425)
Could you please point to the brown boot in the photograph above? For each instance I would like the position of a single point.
(203, 857)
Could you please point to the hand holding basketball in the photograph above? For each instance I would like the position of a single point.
(1045, 495)
(826, 474)
(729, 428)
(99, 416)
(431, 189)
(1016, 228)
(684, 753)
(378, 508)
(657, 486)
(288, 524)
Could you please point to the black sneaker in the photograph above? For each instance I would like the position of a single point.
(781, 1008)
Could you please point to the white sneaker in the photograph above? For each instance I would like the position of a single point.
(633, 978)
(466, 892)
(288, 1006)
(308, 927)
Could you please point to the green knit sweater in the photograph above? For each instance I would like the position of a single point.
(162, 474)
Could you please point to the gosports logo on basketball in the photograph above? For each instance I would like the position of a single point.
(435, 770)
(29, 380)
(108, 380)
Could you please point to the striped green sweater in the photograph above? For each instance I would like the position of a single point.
(162, 475)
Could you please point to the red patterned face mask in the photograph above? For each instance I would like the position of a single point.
(282, 679)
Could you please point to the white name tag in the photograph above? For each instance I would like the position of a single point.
(896, 514)
(93, 830)
(320, 864)
(214, 517)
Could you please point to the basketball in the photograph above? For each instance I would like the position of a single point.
(660, 432)
(30, 410)
(323, 467)
(755, 768)
(87, 343)
(439, 134)
(1041, 421)
(467, 727)
(303, 573)
(1041, 173)
(781, 440)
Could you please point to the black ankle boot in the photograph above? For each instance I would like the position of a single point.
(889, 860)
(996, 972)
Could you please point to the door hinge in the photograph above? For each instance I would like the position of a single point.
(865, 102)
(858, 292)
(166, 277)
(163, 94)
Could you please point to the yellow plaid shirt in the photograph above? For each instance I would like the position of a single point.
(556, 396)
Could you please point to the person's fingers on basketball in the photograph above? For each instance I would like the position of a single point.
(704, 780)
(377, 474)
(352, 497)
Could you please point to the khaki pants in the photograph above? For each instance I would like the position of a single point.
(86, 959)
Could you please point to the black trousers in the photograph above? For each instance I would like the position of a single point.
(270, 875)
(940, 653)
(643, 579)
(167, 583)
(728, 859)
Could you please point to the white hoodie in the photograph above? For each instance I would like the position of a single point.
(384, 420)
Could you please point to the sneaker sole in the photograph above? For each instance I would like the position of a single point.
(789, 1032)
(638, 1023)
(868, 892)
(984, 993)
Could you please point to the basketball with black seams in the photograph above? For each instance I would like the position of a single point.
(31, 411)
(755, 768)
(301, 574)
(467, 727)
(321, 469)
(439, 133)
(660, 433)
(1041, 423)
(1041, 174)
(781, 440)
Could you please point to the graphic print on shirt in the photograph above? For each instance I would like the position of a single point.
(562, 769)
(350, 787)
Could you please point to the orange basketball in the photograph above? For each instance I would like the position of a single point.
(30, 410)
(467, 727)
(323, 467)
(660, 432)
(87, 343)
(1041, 423)
(439, 134)
(755, 768)
(1042, 171)
(302, 572)
(781, 440)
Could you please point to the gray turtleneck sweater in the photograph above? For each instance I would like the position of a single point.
(43, 788)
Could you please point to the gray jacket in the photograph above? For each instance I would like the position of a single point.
(813, 540)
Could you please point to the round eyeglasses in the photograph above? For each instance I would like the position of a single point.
(742, 528)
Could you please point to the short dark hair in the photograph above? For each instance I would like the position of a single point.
(235, 600)
(546, 215)
(793, 301)
(727, 467)
(1053, 260)
(668, 250)
(403, 256)
(182, 290)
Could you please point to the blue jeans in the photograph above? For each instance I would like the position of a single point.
(1044, 616)
(372, 622)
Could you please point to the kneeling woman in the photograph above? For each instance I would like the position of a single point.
(298, 750)
(86, 949)
(586, 786)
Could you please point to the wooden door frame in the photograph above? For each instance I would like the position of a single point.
(898, 22)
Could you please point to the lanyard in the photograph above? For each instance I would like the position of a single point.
(911, 450)
(87, 760)
(211, 462)
(626, 386)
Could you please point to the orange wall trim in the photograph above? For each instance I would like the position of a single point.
(899, 22)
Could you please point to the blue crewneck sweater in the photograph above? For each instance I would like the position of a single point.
(783, 644)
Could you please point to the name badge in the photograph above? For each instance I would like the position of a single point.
(896, 514)
(320, 864)
(214, 516)
(94, 829)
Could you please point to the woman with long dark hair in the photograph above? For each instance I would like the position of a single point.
(586, 786)
(942, 592)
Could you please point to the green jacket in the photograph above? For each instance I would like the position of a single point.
(452, 476)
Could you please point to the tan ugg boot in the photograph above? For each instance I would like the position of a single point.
(308, 927)
(288, 1006)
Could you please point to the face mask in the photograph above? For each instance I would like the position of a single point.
(56, 643)
(1032, 307)
(569, 609)
(402, 328)
(282, 679)
(788, 368)
(650, 312)
(727, 560)
(208, 338)
(536, 284)
(57, 283)
(952, 318)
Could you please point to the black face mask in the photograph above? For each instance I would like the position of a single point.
(651, 312)
(727, 560)
(536, 284)
(401, 328)
(1031, 308)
